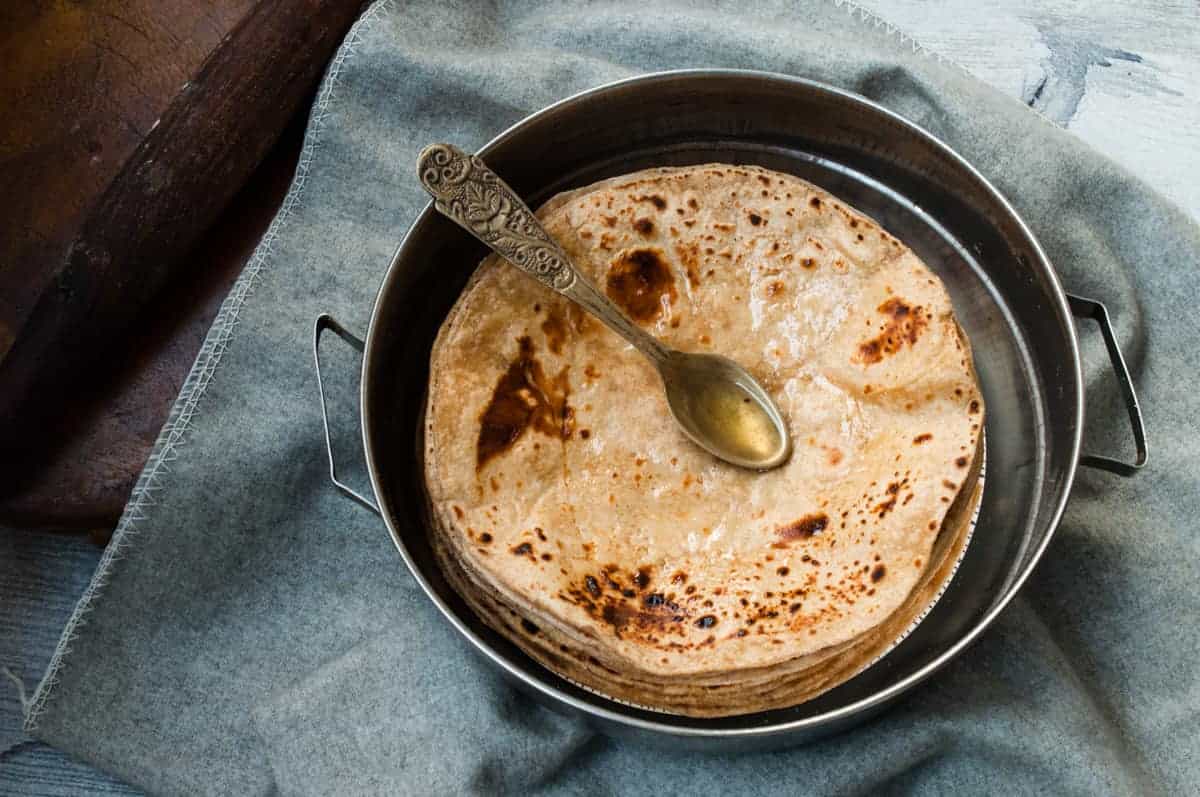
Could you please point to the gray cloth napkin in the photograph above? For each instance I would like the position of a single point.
(251, 632)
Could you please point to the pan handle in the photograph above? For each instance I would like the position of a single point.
(324, 322)
(1090, 308)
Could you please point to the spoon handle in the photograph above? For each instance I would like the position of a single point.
(470, 194)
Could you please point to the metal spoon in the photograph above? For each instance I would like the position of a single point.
(716, 402)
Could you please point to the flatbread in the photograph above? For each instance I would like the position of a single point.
(577, 519)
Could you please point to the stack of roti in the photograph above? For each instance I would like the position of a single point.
(577, 520)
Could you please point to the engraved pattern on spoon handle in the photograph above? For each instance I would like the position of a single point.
(473, 196)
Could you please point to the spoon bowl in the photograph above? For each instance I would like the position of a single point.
(717, 403)
(724, 410)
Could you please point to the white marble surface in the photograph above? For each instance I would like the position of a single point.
(1122, 75)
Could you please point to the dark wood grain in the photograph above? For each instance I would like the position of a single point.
(82, 472)
(129, 126)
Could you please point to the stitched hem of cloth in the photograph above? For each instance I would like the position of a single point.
(176, 430)
(871, 18)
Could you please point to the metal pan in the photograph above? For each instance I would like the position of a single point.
(1006, 294)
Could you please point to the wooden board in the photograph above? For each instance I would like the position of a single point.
(85, 466)
(129, 126)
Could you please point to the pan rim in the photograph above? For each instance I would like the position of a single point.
(864, 705)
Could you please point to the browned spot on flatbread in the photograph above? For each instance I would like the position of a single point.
(638, 280)
(884, 507)
(617, 615)
(889, 503)
(805, 527)
(555, 329)
(644, 227)
(689, 257)
(656, 200)
(524, 397)
(903, 324)
(922, 438)
(655, 613)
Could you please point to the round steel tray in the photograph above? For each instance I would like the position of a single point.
(1005, 292)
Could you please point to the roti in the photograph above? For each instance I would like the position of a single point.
(576, 518)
